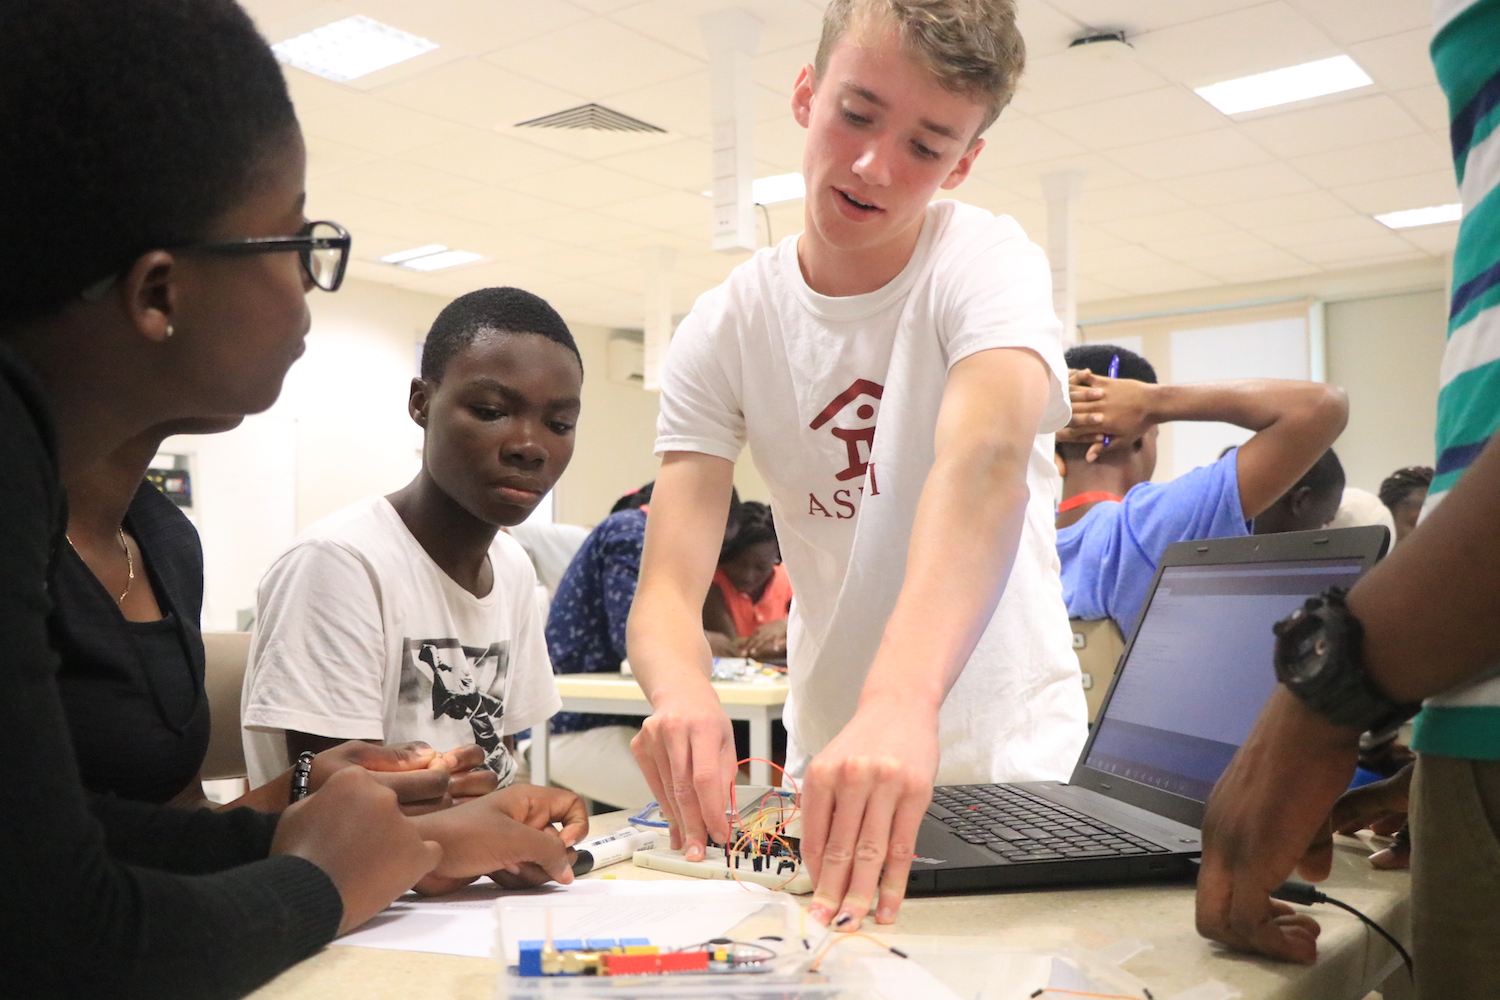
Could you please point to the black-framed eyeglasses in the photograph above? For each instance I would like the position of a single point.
(323, 248)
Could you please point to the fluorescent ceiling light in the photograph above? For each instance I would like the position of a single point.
(770, 190)
(1283, 86)
(406, 255)
(348, 49)
(1421, 216)
(448, 258)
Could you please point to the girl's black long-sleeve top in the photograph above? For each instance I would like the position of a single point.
(103, 897)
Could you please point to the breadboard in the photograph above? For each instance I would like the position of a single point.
(713, 865)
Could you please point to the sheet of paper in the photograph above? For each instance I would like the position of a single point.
(463, 922)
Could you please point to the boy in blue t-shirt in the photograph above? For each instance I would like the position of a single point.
(1114, 524)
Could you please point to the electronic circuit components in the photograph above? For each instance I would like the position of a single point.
(637, 957)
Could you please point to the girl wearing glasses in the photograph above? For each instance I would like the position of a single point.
(154, 258)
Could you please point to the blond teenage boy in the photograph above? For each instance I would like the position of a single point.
(928, 639)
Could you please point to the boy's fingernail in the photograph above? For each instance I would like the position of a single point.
(818, 912)
(843, 919)
(885, 916)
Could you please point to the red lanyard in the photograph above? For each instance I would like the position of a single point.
(1093, 496)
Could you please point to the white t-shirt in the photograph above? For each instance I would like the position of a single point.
(803, 379)
(360, 635)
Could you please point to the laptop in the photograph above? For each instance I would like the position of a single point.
(1192, 680)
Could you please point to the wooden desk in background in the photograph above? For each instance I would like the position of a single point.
(757, 702)
(1351, 960)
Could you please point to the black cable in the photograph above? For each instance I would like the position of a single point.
(1300, 892)
(767, 213)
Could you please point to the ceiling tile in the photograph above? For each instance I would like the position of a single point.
(1235, 242)
(586, 186)
(505, 210)
(1250, 40)
(675, 210)
(1091, 290)
(311, 93)
(1240, 184)
(596, 58)
(1191, 154)
(778, 70)
(370, 123)
(682, 104)
(1332, 126)
(1358, 20)
(1263, 265)
(1099, 174)
(1397, 62)
(1437, 240)
(1136, 118)
(398, 181)
(1145, 15)
(1015, 140)
(1128, 202)
(1351, 253)
(1179, 224)
(591, 229)
(1309, 206)
(489, 157)
(476, 26)
(1427, 104)
(1069, 79)
(684, 164)
(1046, 29)
(1413, 154)
(421, 225)
(1121, 258)
(325, 155)
(675, 22)
(1164, 277)
(1297, 235)
(1419, 191)
(477, 93)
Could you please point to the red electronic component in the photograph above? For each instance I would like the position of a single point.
(684, 961)
(632, 965)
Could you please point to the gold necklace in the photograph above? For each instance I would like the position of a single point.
(129, 563)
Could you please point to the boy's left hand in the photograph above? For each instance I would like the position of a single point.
(1119, 408)
(861, 807)
(484, 837)
(469, 778)
(541, 806)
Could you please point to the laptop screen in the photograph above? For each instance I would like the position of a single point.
(1200, 669)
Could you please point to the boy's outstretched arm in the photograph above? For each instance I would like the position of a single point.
(686, 746)
(865, 793)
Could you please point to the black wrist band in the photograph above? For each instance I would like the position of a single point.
(300, 775)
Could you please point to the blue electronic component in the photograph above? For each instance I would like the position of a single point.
(570, 944)
(634, 942)
(600, 944)
(531, 958)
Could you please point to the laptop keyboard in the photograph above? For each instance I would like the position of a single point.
(1020, 827)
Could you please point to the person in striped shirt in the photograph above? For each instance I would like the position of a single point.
(1428, 618)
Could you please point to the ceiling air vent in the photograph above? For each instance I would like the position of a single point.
(594, 117)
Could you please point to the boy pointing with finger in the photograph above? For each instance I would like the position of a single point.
(897, 372)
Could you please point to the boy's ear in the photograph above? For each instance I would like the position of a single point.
(961, 169)
(417, 401)
(1061, 463)
(802, 95)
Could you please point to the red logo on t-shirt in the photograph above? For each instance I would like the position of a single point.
(852, 436)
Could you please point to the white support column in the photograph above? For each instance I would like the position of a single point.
(1062, 188)
(732, 37)
(1317, 342)
(657, 262)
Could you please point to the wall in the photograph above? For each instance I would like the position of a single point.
(1383, 335)
(339, 432)
(1386, 352)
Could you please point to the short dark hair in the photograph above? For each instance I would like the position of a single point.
(1325, 478)
(129, 125)
(754, 525)
(1402, 483)
(1097, 357)
(634, 500)
(498, 310)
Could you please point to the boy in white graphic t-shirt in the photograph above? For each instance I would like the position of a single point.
(897, 372)
(412, 616)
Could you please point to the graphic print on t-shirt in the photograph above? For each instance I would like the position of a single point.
(843, 405)
(443, 677)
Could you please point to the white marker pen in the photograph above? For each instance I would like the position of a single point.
(612, 847)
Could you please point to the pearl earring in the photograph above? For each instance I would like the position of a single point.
(170, 331)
